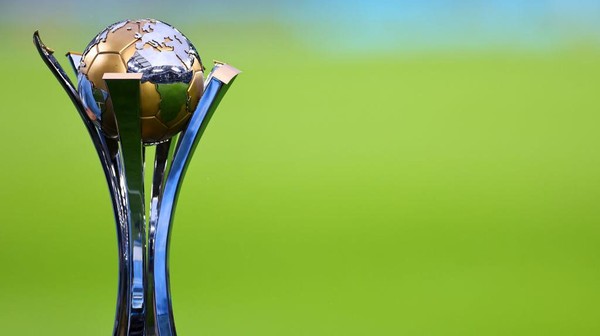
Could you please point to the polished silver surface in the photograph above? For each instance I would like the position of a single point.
(107, 150)
(74, 59)
(214, 92)
(143, 298)
(163, 158)
(164, 66)
(127, 112)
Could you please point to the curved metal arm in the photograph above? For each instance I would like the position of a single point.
(107, 150)
(219, 81)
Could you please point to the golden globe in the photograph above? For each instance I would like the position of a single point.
(172, 76)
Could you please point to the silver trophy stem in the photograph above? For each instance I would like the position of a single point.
(163, 158)
(124, 90)
(143, 300)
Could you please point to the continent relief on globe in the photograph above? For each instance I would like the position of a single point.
(171, 85)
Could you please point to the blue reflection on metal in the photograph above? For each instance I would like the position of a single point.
(88, 101)
(74, 59)
(185, 149)
(107, 150)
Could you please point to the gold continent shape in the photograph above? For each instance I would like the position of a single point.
(111, 55)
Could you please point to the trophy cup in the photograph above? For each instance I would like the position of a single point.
(141, 87)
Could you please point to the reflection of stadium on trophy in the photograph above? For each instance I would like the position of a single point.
(141, 84)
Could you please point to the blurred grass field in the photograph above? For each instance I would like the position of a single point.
(440, 193)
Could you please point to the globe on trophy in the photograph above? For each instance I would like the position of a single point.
(141, 86)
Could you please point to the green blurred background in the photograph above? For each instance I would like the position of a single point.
(379, 168)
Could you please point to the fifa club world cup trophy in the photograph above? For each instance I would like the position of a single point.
(140, 86)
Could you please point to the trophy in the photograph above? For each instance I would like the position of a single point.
(141, 87)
